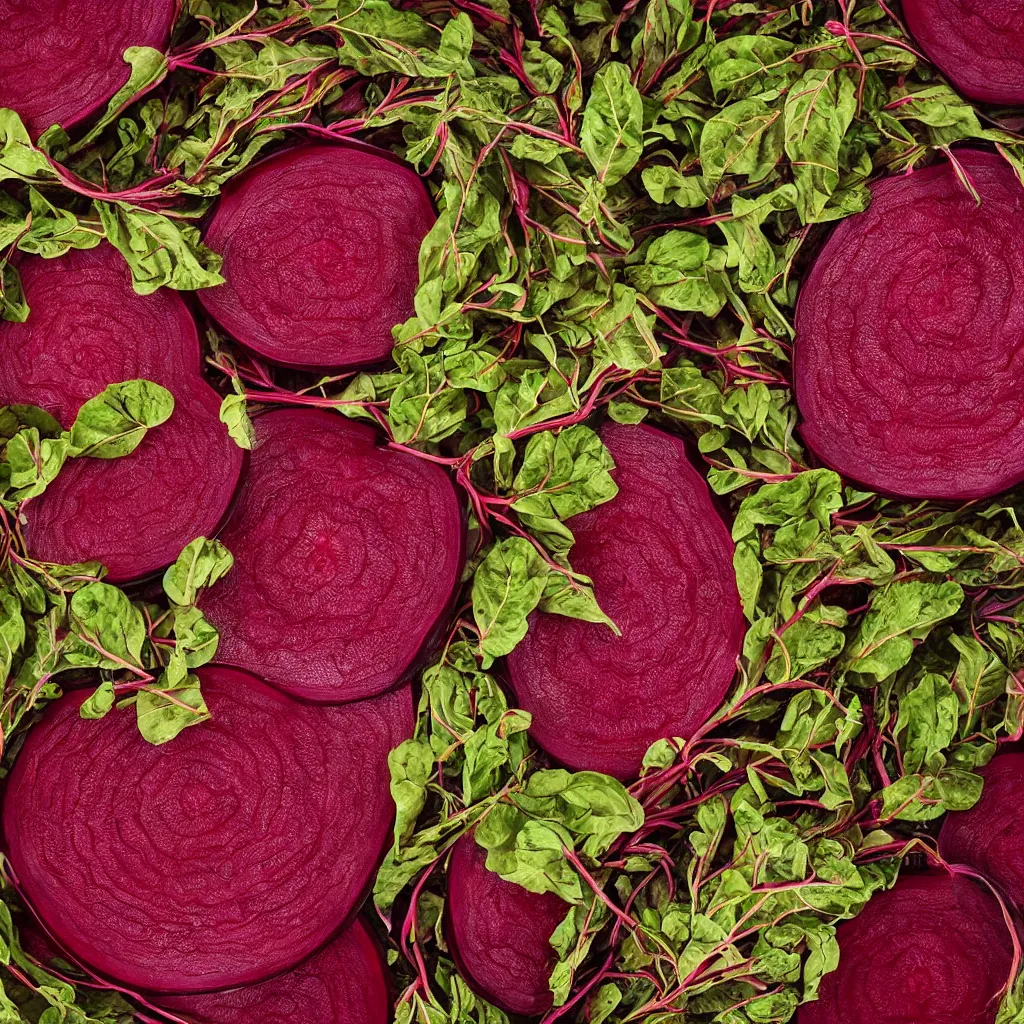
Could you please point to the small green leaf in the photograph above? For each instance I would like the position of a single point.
(611, 135)
(99, 702)
(234, 416)
(114, 423)
(162, 712)
(106, 621)
(200, 564)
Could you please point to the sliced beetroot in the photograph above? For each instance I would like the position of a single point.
(661, 561)
(87, 329)
(321, 255)
(988, 836)
(909, 365)
(345, 983)
(499, 932)
(219, 859)
(347, 556)
(41, 40)
(977, 44)
(933, 948)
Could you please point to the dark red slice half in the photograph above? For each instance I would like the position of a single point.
(988, 836)
(345, 983)
(933, 948)
(41, 40)
(909, 365)
(326, 289)
(87, 329)
(218, 859)
(977, 44)
(347, 556)
(661, 561)
(499, 932)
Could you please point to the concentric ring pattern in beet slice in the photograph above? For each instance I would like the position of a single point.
(988, 836)
(977, 44)
(41, 40)
(498, 932)
(345, 983)
(909, 361)
(347, 557)
(87, 329)
(321, 254)
(219, 859)
(661, 561)
(933, 948)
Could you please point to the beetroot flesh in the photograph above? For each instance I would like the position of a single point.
(347, 557)
(933, 948)
(327, 290)
(660, 557)
(909, 360)
(87, 329)
(216, 860)
(988, 836)
(345, 983)
(40, 41)
(499, 932)
(977, 44)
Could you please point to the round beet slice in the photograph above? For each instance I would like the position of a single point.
(933, 948)
(909, 362)
(218, 859)
(499, 932)
(661, 561)
(87, 329)
(327, 290)
(41, 40)
(977, 44)
(345, 983)
(988, 836)
(347, 556)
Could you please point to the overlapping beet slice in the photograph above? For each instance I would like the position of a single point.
(321, 249)
(347, 556)
(935, 947)
(661, 561)
(345, 983)
(499, 932)
(41, 40)
(988, 836)
(87, 329)
(977, 44)
(909, 365)
(219, 859)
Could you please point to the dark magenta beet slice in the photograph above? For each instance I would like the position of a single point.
(345, 983)
(909, 364)
(87, 329)
(218, 859)
(977, 44)
(327, 289)
(347, 556)
(661, 561)
(499, 932)
(933, 948)
(988, 836)
(42, 39)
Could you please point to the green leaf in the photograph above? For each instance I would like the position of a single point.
(612, 124)
(162, 712)
(201, 563)
(33, 462)
(746, 138)
(19, 158)
(108, 623)
(114, 423)
(234, 416)
(12, 630)
(99, 702)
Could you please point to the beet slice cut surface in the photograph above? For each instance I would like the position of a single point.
(988, 836)
(499, 932)
(345, 983)
(327, 290)
(977, 44)
(87, 329)
(40, 40)
(347, 557)
(933, 948)
(909, 361)
(218, 859)
(660, 557)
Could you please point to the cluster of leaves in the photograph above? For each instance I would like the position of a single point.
(627, 197)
